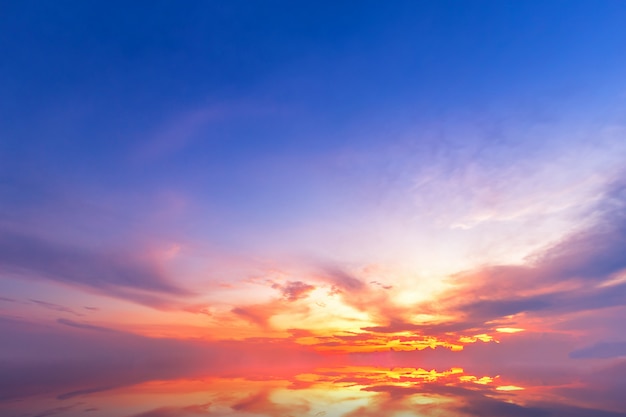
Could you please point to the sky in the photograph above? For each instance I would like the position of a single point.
(267, 190)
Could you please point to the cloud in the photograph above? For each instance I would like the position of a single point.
(198, 309)
(261, 313)
(580, 273)
(188, 411)
(55, 307)
(113, 274)
(257, 314)
(380, 284)
(375, 299)
(294, 290)
(193, 125)
(78, 393)
(178, 133)
(488, 309)
(344, 281)
(84, 326)
(403, 325)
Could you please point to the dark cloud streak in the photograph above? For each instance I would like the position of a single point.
(113, 274)
(571, 276)
(294, 290)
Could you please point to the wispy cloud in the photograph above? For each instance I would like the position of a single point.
(187, 411)
(569, 276)
(85, 326)
(55, 307)
(294, 290)
(115, 274)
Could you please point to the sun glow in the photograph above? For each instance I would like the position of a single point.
(367, 376)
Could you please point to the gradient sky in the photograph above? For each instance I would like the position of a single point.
(327, 178)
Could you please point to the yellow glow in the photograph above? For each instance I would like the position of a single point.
(484, 380)
(472, 339)
(322, 313)
(509, 330)
(471, 378)
(509, 388)
(382, 343)
(373, 376)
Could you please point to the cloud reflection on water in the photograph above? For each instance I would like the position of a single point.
(346, 391)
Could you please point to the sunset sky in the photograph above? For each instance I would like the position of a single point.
(315, 184)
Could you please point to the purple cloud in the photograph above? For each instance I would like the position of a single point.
(113, 274)
(55, 307)
(294, 290)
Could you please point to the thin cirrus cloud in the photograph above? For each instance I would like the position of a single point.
(193, 127)
(187, 411)
(570, 276)
(113, 274)
(294, 290)
(578, 275)
(55, 307)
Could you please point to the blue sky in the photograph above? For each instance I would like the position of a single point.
(154, 95)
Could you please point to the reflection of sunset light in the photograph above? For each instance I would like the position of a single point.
(366, 342)
(509, 388)
(364, 376)
(470, 378)
(363, 342)
(363, 391)
(509, 330)
(472, 339)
